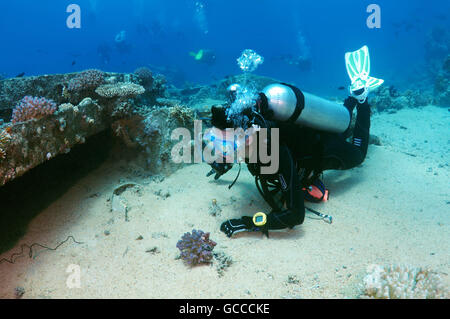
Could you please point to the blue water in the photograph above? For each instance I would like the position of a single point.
(161, 33)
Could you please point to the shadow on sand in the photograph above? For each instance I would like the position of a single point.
(25, 197)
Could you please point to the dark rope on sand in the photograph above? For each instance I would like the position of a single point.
(30, 248)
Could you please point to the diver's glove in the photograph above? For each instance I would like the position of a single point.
(233, 226)
(219, 169)
(257, 223)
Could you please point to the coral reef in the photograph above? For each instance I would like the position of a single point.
(34, 142)
(222, 261)
(86, 80)
(201, 98)
(442, 84)
(388, 99)
(4, 139)
(437, 46)
(144, 75)
(214, 208)
(155, 86)
(196, 248)
(127, 129)
(154, 134)
(401, 282)
(53, 87)
(120, 90)
(159, 85)
(33, 108)
(84, 113)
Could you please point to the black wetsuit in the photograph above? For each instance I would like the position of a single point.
(304, 151)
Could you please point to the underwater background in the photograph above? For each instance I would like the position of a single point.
(161, 33)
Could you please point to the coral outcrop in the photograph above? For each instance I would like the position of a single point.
(437, 46)
(34, 142)
(201, 98)
(4, 140)
(120, 90)
(33, 108)
(144, 75)
(401, 282)
(442, 84)
(196, 248)
(153, 130)
(65, 118)
(86, 80)
(388, 99)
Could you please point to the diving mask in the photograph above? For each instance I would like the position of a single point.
(228, 145)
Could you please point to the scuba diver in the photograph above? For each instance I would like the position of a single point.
(205, 56)
(313, 135)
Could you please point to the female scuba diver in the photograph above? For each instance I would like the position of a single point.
(313, 135)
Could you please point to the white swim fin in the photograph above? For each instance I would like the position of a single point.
(358, 69)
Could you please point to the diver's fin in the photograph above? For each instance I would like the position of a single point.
(358, 69)
(358, 64)
(374, 83)
(197, 56)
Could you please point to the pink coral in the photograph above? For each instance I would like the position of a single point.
(89, 79)
(33, 108)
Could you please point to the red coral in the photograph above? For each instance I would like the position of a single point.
(89, 79)
(33, 108)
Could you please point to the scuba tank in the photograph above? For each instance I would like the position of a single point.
(286, 103)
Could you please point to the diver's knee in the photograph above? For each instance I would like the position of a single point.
(356, 161)
(299, 218)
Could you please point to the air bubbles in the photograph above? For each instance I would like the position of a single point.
(200, 16)
(245, 99)
(249, 60)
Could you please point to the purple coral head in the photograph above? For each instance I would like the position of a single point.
(196, 248)
(86, 80)
(33, 108)
(145, 75)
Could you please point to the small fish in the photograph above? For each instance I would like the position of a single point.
(341, 88)
(20, 75)
(74, 62)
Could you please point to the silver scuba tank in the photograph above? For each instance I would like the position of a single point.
(288, 103)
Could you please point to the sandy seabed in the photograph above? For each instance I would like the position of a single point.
(393, 209)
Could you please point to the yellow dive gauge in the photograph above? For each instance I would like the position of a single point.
(259, 219)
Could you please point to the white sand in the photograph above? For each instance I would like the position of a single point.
(394, 209)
